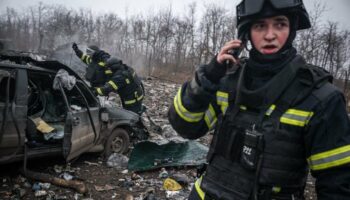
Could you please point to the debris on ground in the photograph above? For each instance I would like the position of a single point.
(149, 155)
(104, 182)
(171, 185)
(77, 185)
(119, 161)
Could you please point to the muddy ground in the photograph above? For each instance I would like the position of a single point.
(105, 182)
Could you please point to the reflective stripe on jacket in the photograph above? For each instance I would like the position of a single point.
(317, 119)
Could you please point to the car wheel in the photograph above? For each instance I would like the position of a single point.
(117, 142)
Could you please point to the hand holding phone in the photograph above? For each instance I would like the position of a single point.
(229, 53)
(235, 52)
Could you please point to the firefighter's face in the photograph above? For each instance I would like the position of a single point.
(269, 35)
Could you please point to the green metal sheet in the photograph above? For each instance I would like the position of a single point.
(149, 155)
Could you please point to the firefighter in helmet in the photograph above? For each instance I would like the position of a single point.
(274, 116)
(109, 74)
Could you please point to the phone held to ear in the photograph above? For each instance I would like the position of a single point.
(236, 52)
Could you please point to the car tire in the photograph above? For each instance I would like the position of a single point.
(117, 142)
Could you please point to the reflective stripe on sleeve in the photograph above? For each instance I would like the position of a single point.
(199, 191)
(242, 107)
(99, 91)
(222, 100)
(108, 71)
(329, 159)
(270, 110)
(85, 58)
(183, 112)
(140, 98)
(210, 117)
(115, 87)
(130, 102)
(296, 117)
(102, 64)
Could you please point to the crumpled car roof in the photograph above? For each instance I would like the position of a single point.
(25, 57)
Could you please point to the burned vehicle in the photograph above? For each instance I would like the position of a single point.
(37, 119)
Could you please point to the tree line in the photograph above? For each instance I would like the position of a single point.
(162, 41)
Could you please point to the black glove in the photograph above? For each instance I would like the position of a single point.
(75, 46)
(76, 49)
(214, 71)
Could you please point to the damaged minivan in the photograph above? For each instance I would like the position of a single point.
(42, 115)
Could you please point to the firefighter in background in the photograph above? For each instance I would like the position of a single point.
(274, 116)
(95, 59)
(108, 74)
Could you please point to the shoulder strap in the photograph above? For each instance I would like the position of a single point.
(324, 91)
(308, 79)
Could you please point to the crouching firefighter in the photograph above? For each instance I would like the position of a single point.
(124, 81)
(108, 74)
(274, 116)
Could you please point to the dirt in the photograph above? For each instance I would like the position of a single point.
(104, 182)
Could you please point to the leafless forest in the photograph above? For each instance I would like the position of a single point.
(162, 42)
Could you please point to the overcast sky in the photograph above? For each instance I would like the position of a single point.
(337, 10)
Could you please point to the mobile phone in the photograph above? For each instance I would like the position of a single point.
(236, 51)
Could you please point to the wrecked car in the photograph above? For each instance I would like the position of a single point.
(37, 120)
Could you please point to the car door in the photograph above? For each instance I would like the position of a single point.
(13, 111)
(82, 127)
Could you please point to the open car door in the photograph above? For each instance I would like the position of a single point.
(13, 112)
(82, 126)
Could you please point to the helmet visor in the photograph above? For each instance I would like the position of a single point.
(251, 7)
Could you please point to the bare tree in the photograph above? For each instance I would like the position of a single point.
(307, 42)
(162, 41)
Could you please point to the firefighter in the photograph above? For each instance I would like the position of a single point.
(274, 116)
(95, 59)
(126, 83)
(109, 74)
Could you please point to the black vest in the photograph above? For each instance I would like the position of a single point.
(252, 151)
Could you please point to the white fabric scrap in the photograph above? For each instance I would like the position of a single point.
(65, 79)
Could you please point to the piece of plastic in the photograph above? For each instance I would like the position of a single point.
(171, 185)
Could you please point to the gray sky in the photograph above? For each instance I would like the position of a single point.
(337, 10)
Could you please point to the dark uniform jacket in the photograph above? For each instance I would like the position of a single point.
(319, 118)
(126, 83)
(115, 77)
(97, 72)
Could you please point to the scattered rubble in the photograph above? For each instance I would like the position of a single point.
(112, 180)
(118, 161)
